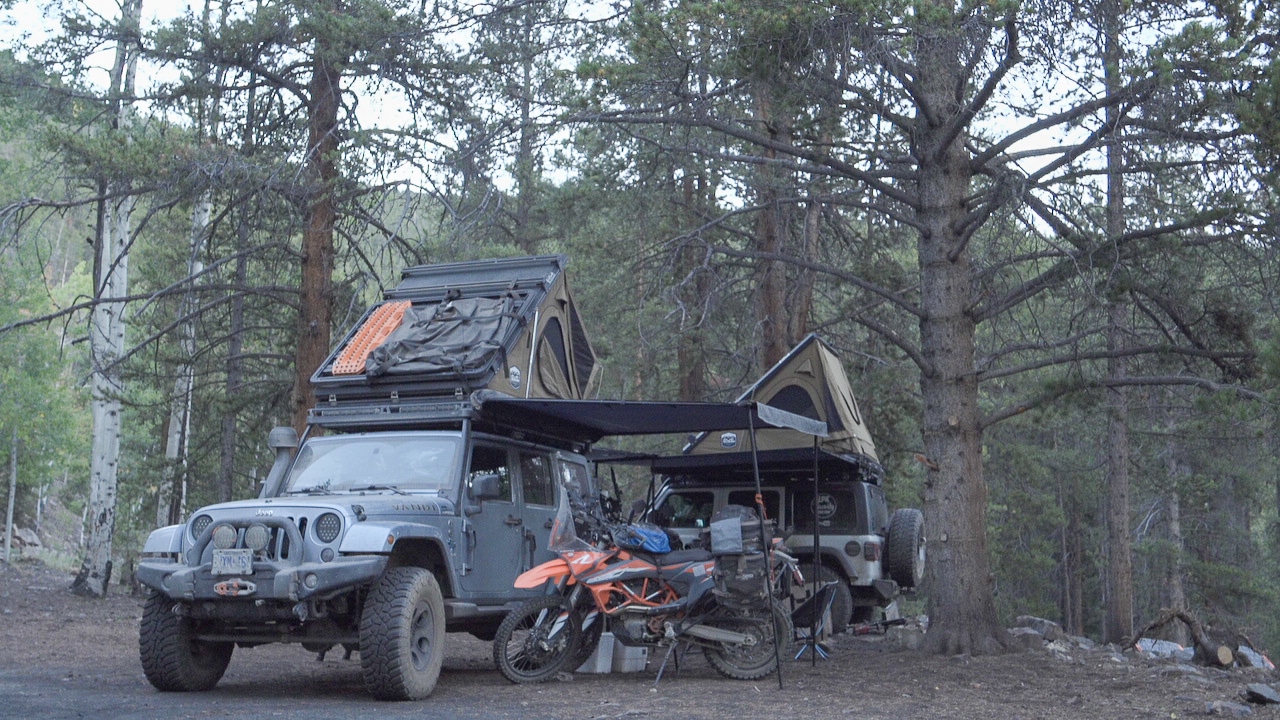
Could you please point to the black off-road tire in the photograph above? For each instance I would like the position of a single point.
(537, 640)
(841, 604)
(905, 550)
(402, 635)
(741, 662)
(172, 658)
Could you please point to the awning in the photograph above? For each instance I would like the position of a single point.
(590, 420)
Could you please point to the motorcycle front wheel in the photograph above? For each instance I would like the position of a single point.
(537, 640)
(758, 655)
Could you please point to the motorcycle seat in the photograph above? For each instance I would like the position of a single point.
(685, 556)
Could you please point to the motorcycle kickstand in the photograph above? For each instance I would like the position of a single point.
(675, 648)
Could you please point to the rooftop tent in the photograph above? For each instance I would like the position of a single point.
(809, 381)
(447, 330)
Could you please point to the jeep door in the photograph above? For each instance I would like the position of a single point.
(495, 534)
(510, 532)
(537, 504)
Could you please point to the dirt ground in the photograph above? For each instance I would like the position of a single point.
(50, 638)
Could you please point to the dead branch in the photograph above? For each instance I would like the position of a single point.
(1208, 650)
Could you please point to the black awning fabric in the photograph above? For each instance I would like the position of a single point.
(590, 420)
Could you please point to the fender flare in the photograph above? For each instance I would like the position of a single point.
(381, 537)
(167, 540)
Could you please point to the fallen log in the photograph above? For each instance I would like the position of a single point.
(1209, 650)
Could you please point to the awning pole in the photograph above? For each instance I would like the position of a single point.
(764, 542)
(817, 545)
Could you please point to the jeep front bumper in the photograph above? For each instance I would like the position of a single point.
(270, 580)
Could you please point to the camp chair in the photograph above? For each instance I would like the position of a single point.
(810, 619)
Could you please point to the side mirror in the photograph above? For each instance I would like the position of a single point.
(483, 487)
(486, 487)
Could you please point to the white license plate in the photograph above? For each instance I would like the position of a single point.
(238, 561)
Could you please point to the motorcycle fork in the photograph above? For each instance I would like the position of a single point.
(576, 596)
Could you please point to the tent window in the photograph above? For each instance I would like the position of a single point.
(553, 337)
(584, 358)
(834, 423)
(795, 399)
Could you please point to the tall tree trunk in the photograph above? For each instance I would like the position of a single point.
(234, 364)
(1072, 549)
(107, 331)
(315, 312)
(1118, 623)
(171, 503)
(802, 302)
(691, 354)
(961, 600)
(1073, 571)
(1177, 593)
(771, 279)
(525, 159)
(13, 493)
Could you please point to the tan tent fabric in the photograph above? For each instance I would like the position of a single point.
(809, 381)
(507, 325)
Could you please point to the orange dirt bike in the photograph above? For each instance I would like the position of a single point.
(722, 599)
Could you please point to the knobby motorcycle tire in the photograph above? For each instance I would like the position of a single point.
(537, 640)
(750, 662)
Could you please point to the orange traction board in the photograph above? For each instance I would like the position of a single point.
(381, 323)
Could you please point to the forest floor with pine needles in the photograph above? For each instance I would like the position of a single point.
(62, 655)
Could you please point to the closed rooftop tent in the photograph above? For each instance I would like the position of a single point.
(508, 325)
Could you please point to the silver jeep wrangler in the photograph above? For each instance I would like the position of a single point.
(379, 541)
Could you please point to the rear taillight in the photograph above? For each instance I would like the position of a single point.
(871, 551)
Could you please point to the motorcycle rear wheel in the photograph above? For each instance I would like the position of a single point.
(537, 640)
(749, 661)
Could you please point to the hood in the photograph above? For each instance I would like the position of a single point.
(379, 505)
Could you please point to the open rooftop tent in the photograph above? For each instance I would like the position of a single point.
(809, 381)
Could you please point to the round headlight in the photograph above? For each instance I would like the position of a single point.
(199, 524)
(224, 537)
(257, 537)
(328, 526)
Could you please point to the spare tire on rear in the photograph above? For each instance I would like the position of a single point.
(904, 552)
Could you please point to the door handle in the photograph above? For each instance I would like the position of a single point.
(513, 521)
(549, 524)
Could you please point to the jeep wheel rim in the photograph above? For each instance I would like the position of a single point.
(421, 632)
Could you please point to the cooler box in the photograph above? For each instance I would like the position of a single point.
(601, 661)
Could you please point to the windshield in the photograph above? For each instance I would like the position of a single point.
(579, 515)
(377, 461)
